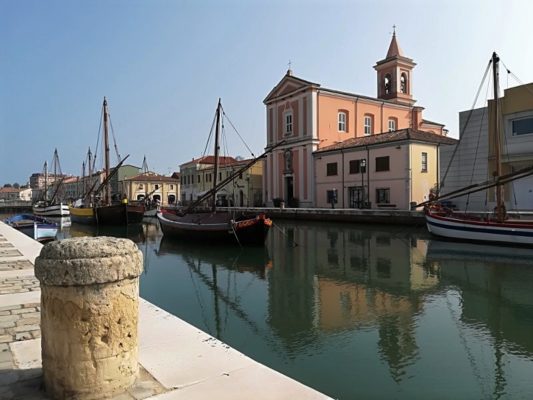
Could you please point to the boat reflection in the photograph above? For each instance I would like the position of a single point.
(135, 232)
(241, 259)
(495, 284)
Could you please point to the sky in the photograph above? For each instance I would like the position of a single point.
(163, 65)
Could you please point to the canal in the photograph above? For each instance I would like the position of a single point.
(356, 311)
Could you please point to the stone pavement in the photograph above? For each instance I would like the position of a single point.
(177, 360)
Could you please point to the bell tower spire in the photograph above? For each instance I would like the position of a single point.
(394, 74)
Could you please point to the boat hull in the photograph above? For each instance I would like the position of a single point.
(82, 215)
(55, 210)
(35, 227)
(119, 214)
(215, 228)
(461, 227)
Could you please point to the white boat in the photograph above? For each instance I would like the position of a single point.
(495, 227)
(35, 227)
(53, 210)
(51, 207)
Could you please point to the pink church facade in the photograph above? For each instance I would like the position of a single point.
(309, 118)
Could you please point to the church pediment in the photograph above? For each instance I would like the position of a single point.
(288, 85)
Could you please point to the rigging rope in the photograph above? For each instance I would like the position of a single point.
(477, 144)
(98, 139)
(210, 134)
(237, 132)
(114, 140)
(462, 133)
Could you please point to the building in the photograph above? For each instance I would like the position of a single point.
(308, 118)
(13, 194)
(244, 190)
(152, 186)
(117, 180)
(474, 158)
(388, 170)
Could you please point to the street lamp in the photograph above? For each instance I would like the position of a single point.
(362, 165)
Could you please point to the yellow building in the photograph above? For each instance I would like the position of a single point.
(244, 190)
(153, 187)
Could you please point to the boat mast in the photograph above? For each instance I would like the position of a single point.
(107, 194)
(217, 150)
(90, 156)
(500, 207)
(45, 180)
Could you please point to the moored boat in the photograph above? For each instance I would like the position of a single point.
(216, 226)
(37, 228)
(496, 226)
(51, 210)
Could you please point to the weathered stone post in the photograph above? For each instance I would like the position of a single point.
(89, 314)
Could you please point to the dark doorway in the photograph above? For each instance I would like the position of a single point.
(289, 189)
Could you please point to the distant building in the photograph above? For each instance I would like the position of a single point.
(474, 158)
(11, 194)
(244, 190)
(116, 182)
(309, 118)
(152, 186)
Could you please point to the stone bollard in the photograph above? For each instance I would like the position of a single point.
(89, 314)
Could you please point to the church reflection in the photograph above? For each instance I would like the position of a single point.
(350, 277)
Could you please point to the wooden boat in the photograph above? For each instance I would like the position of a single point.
(82, 215)
(37, 228)
(90, 211)
(216, 226)
(108, 213)
(496, 227)
(51, 207)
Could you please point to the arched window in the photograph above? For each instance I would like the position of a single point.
(342, 118)
(403, 83)
(387, 83)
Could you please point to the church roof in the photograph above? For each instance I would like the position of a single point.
(394, 48)
(387, 137)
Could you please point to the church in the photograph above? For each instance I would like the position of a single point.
(348, 150)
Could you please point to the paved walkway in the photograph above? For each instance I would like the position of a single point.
(177, 360)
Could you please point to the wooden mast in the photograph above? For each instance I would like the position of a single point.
(46, 181)
(500, 206)
(217, 151)
(90, 156)
(107, 194)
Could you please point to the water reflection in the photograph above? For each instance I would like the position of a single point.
(358, 311)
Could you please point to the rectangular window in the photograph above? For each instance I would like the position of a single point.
(523, 126)
(368, 125)
(288, 124)
(342, 122)
(331, 169)
(424, 162)
(199, 178)
(156, 187)
(382, 164)
(171, 187)
(383, 196)
(392, 125)
(358, 166)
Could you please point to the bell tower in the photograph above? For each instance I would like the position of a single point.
(395, 75)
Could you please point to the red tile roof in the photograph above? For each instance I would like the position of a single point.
(389, 137)
(152, 177)
(211, 160)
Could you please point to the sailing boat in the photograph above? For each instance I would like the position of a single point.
(108, 213)
(82, 211)
(51, 207)
(497, 227)
(104, 212)
(216, 226)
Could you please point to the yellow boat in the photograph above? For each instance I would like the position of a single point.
(82, 215)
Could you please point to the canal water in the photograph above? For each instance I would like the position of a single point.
(356, 311)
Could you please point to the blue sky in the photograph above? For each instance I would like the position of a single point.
(164, 64)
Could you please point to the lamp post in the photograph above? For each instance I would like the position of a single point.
(363, 170)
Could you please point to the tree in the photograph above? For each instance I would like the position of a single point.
(16, 185)
(8, 185)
